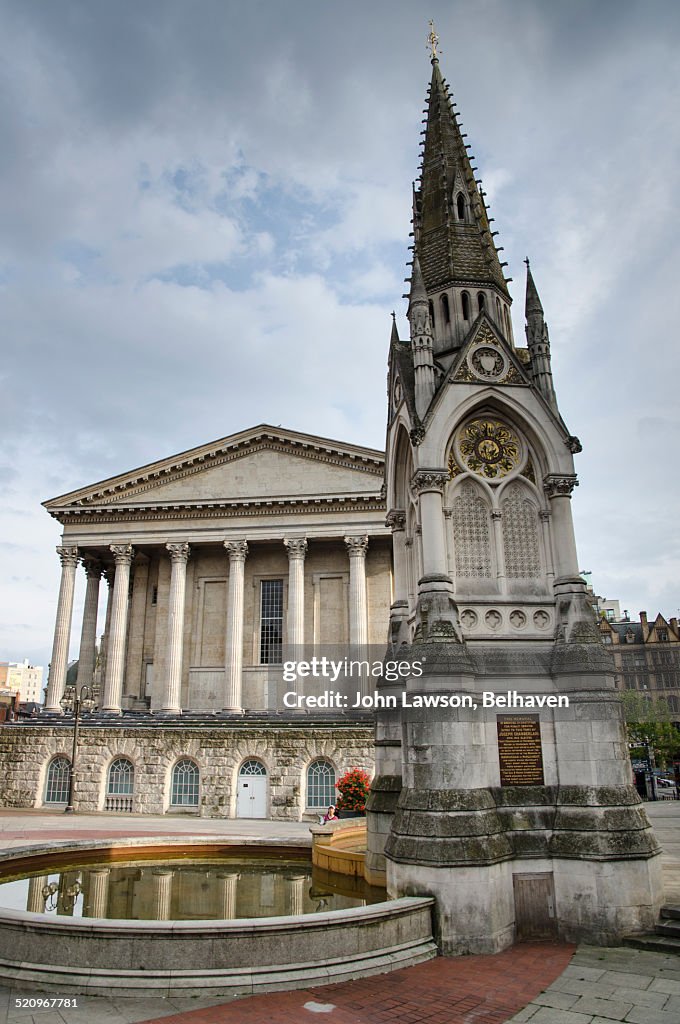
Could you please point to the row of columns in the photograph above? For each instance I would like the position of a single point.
(117, 618)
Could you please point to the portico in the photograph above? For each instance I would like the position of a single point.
(208, 587)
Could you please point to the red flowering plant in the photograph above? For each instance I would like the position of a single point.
(353, 788)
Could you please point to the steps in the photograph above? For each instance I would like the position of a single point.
(666, 935)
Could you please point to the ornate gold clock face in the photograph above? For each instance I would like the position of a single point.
(489, 448)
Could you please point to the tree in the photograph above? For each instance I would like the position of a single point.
(648, 723)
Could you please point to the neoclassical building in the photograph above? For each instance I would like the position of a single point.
(219, 564)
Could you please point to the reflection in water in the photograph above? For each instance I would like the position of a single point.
(186, 891)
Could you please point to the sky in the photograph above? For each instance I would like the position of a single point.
(204, 218)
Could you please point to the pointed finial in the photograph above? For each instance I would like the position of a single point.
(394, 316)
(433, 41)
(527, 263)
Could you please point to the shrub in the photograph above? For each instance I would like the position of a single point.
(353, 788)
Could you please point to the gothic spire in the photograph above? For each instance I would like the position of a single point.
(421, 341)
(461, 268)
(538, 341)
(453, 236)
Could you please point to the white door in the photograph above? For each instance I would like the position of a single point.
(251, 795)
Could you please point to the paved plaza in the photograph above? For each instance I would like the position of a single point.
(540, 982)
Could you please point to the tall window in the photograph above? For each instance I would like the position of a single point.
(320, 784)
(120, 785)
(480, 301)
(465, 299)
(271, 622)
(446, 313)
(460, 206)
(58, 775)
(184, 784)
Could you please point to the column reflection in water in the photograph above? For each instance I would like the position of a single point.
(296, 886)
(162, 894)
(97, 893)
(36, 901)
(228, 882)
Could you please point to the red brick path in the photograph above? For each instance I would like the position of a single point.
(456, 990)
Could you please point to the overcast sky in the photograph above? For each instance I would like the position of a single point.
(204, 225)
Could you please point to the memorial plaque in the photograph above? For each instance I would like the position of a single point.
(519, 750)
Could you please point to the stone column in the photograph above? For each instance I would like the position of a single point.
(296, 893)
(437, 614)
(115, 655)
(237, 551)
(98, 892)
(358, 604)
(36, 900)
(100, 672)
(429, 485)
(558, 489)
(396, 520)
(544, 515)
(62, 629)
(497, 525)
(179, 556)
(297, 549)
(162, 894)
(227, 893)
(88, 634)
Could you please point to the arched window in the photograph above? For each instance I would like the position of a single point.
(465, 299)
(471, 522)
(460, 206)
(320, 784)
(446, 312)
(520, 534)
(58, 778)
(480, 301)
(184, 791)
(508, 332)
(252, 767)
(499, 318)
(120, 785)
(430, 308)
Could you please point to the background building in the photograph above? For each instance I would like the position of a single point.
(23, 678)
(647, 656)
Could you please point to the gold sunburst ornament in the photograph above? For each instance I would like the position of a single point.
(489, 448)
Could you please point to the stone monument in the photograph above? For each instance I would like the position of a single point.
(503, 784)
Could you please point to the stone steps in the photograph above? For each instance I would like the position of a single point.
(666, 935)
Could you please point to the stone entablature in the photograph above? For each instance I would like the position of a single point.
(218, 751)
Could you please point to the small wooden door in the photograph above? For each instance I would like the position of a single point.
(535, 905)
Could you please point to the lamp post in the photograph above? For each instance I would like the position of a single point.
(73, 703)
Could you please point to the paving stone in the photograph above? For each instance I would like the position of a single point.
(546, 1015)
(583, 988)
(647, 1015)
(615, 1009)
(643, 998)
(559, 1000)
(524, 1015)
(641, 981)
(665, 985)
(583, 973)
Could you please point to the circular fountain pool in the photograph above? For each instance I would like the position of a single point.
(165, 917)
(184, 888)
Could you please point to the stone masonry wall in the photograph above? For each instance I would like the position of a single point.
(26, 751)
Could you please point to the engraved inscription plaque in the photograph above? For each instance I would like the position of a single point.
(519, 750)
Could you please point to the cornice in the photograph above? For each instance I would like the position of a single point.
(219, 510)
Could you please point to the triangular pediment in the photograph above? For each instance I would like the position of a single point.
(485, 358)
(264, 463)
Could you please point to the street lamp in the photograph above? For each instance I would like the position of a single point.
(73, 703)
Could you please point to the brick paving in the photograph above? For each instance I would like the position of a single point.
(457, 990)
